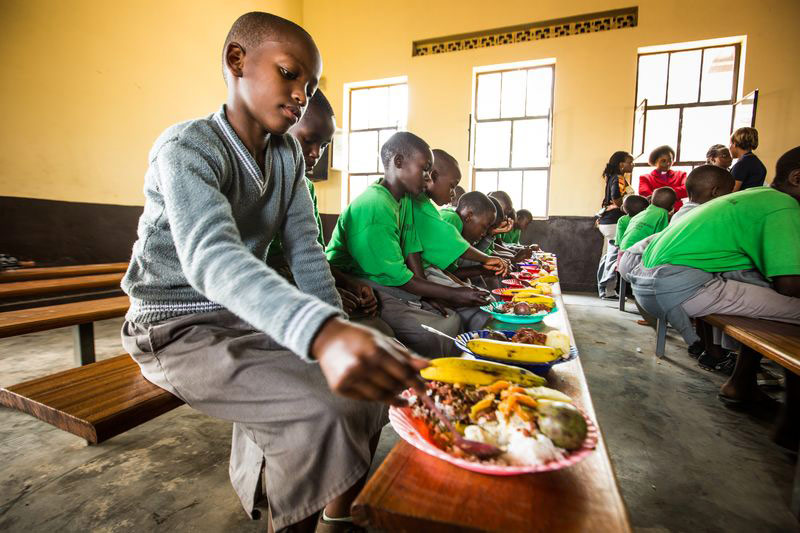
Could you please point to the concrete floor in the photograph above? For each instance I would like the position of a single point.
(684, 462)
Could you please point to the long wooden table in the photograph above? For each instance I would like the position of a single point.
(18, 289)
(27, 274)
(412, 491)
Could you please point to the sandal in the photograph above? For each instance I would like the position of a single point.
(345, 524)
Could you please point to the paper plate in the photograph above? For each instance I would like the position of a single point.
(540, 369)
(513, 283)
(514, 319)
(415, 432)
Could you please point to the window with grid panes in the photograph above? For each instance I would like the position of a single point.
(512, 127)
(685, 99)
(375, 114)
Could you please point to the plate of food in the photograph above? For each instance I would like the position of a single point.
(521, 312)
(508, 294)
(532, 427)
(515, 283)
(526, 348)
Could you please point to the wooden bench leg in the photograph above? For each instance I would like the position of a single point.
(623, 293)
(661, 337)
(796, 493)
(83, 343)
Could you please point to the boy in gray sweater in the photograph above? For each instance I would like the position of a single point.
(211, 323)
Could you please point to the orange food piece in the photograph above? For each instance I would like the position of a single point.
(497, 386)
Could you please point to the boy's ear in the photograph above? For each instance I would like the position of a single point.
(794, 178)
(234, 59)
(398, 160)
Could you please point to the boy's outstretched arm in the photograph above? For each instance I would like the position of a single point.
(216, 262)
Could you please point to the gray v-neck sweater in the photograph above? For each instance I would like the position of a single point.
(209, 217)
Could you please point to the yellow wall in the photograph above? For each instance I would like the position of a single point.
(595, 73)
(89, 84)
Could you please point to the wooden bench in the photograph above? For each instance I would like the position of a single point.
(780, 342)
(95, 402)
(81, 315)
(27, 274)
(412, 491)
(19, 289)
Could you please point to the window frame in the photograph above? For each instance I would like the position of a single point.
(734, 99)
(473, 122)
(350, 88)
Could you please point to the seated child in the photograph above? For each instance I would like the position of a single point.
(632, 205)
(719, 155)
(650, 221)
(522, 220)
(234, 339)
(472, 217)
(442, 244)
(459, 192)
(498, 247)
(663, 176)
(737, 255)
(704, 183)
(375, 235)
(314, 132)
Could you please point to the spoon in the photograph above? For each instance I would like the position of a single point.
(478, 449)
(437, 332)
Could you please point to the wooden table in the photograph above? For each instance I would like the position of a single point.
(412, 491)
(26, 274)
(18, 289)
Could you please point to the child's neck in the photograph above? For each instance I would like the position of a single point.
(394, 186)
(253, 136)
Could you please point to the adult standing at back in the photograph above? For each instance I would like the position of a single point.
(748, 171)
(663, 175)
(619, 164)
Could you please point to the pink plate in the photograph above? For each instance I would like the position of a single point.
(415, 432)
(514, 283)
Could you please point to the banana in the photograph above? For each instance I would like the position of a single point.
(547, 279)
(527, 290)
(534, 299)
(545, 393)
(479, 373)
(514, 351)
(558, 340)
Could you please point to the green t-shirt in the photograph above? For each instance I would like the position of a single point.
(755, 228)
(512, 237)
(276, 247)
(648, 222)
(373, 237)
(449, 214)
(441, 242)
(622, 225)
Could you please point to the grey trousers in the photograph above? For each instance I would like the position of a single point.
(315, 444)
(405, 317)
(606, 270)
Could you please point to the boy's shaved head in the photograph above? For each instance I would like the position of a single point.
(504, 198)
(256, 27)
(315, 129)
(319, 106)
(706, 180)
(665, 197)
(402, 143)
(477, 202)
(524, 214)
(633, 204)
(500, 216)
(440, 157)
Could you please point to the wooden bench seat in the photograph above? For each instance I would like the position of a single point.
(778, 341)
(95, 401)
(21, 289)
(27, 274)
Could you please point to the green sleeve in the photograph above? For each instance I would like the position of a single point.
(441, 242)
(661, 222)
(451, 217)
(777, 252)
(377, 250)
(622, 225)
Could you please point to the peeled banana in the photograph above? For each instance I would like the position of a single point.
(557, 344)
(479, 373)
(534, 299)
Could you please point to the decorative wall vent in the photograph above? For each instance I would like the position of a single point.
(534, 31)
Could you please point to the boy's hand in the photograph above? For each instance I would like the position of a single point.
(350, 301)
(522, 255)
(367, 299)
(468, 297)
(363, 364)
(505, 227)
(437, 306)
(497, 265)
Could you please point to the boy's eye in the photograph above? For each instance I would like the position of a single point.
(287, 74)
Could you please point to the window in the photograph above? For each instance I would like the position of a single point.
(375, 113)
(685, 99)
(511, 132)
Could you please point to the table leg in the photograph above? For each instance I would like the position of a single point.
(661, 337)
(623, 293)
(83, 343)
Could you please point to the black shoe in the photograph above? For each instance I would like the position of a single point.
(708, 362)
(696, 350)
(727, 365)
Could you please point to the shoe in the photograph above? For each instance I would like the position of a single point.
(696, 349)
(767, 378)
(708, 362)
(614, 297)
(727, 365)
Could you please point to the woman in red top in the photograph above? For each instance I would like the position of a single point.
(661, 176)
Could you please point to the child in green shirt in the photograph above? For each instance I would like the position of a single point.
(739, 255)
(650, 221)
(375, 235)
(613, 261)
(472, 217)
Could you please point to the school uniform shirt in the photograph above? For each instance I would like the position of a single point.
(450, 216)
(373, 237)
(750, 171)
(757, 228)
(512, 237)
(683, 211)
(622, 225)
(442, 244)
(650, 221)
(275, 252)
(671, 178)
